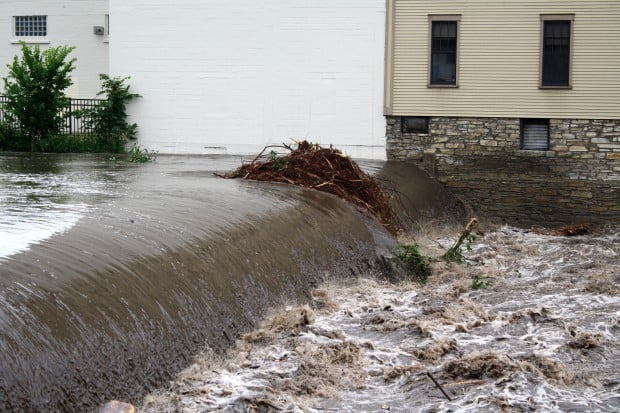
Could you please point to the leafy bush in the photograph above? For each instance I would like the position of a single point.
(12, 140)
(74, 144)
(415, 263)
(34, 88)
(109, 118)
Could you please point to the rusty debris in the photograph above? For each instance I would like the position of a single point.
(325, 169)
(574, 230)
(565, 231)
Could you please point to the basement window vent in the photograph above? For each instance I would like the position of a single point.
(535, 134)
(414, 124)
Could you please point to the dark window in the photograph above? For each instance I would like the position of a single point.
(556, 53)
(443, 52)
(30, 26)
(414, 124)
(535, 134)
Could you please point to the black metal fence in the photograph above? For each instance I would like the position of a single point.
(76, 121)
(2, 103)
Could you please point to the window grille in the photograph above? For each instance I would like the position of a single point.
(443, 52)
(414, 124)
(535, 134)
(556, 51)
(30, 26)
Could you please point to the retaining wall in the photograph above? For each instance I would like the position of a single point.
(576, 180)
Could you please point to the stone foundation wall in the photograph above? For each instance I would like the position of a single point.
(576, 180)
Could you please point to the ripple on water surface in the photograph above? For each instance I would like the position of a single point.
(42, 195)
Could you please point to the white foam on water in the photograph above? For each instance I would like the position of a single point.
(542, 336)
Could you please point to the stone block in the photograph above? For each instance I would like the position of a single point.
(612, 146)
(578, 149)
(488, 142)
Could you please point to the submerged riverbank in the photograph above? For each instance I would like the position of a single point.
(530, 322)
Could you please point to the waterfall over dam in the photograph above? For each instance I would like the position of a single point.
(123, 271)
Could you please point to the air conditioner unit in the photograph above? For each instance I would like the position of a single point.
(98, 30)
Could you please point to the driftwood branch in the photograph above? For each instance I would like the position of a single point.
(430, 376)
(454, 252)
(466, 233)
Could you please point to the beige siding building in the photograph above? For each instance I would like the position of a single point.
(509, 102)
(499, 59)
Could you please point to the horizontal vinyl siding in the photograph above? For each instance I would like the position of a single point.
(499, 55)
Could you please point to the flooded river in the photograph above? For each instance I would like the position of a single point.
(113, 275)
(116, 277)
(529, 323)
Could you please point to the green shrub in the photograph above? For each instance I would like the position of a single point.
(12, 140)
(415, 263)
(34, 88)
(109, 118)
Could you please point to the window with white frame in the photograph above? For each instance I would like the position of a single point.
(30, 26)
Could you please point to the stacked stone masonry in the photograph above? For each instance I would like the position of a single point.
(576, 180)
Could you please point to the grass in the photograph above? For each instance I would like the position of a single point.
(11, 140)
(141, 155)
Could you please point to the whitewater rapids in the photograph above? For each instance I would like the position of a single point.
(529, 323)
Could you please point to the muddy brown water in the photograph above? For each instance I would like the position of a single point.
(112, 275)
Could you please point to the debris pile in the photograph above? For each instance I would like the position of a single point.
(324, 169)
(574, 230)
(565, 231)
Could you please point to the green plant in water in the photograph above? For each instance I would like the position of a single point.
(455, 252)
(140, 155)
(415, 263)
(478, 283)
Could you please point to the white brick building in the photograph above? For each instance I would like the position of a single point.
(59, 22)
(225, 76)
(231, 76)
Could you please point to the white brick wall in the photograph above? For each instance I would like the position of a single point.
(231, 76)
(69, 22)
